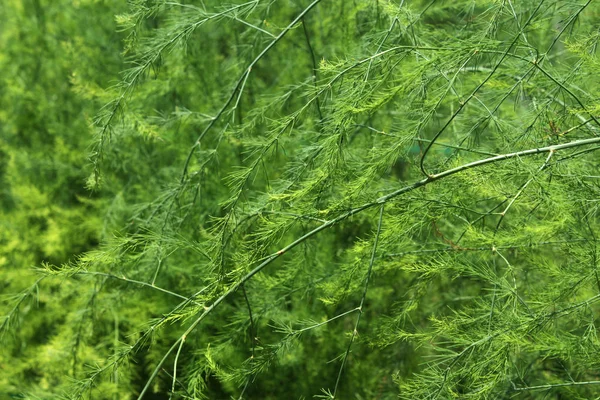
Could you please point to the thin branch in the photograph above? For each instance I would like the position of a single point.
(362, 302)
(384, 199)
(253, 337)
(474, 92)
(314, 65)
(520, 191)
(240, 82)
(33, 289)
(555, 385)
(451, 249)
(136, 282)
(320, 324)
(174, 380)
(147, 60)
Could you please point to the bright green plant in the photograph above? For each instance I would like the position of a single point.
(337, 199)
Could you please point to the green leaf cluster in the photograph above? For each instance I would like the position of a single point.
(298, 199)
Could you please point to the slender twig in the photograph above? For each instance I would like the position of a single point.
(239, 83)
(520, 191)
(514, 289)
(33, 289)
(314, 65)
(148, 59)
(254, 26)
(116, 346)
(535, 319)
(136, 282)
(537, 65)
(82, 320)
(174, 380)
(554, 385)
(451, 249)
(297, 332)
(88, 383)
(179, 383)
(474, 92)
(253, 337)
(362, 302)
(449, 146)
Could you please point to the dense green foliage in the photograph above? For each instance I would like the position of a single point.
(281, 199)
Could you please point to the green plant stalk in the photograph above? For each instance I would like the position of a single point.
(342, 217)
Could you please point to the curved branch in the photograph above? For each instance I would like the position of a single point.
(240, 82)
(380, 201)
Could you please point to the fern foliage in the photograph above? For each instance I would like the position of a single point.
(305, 199)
